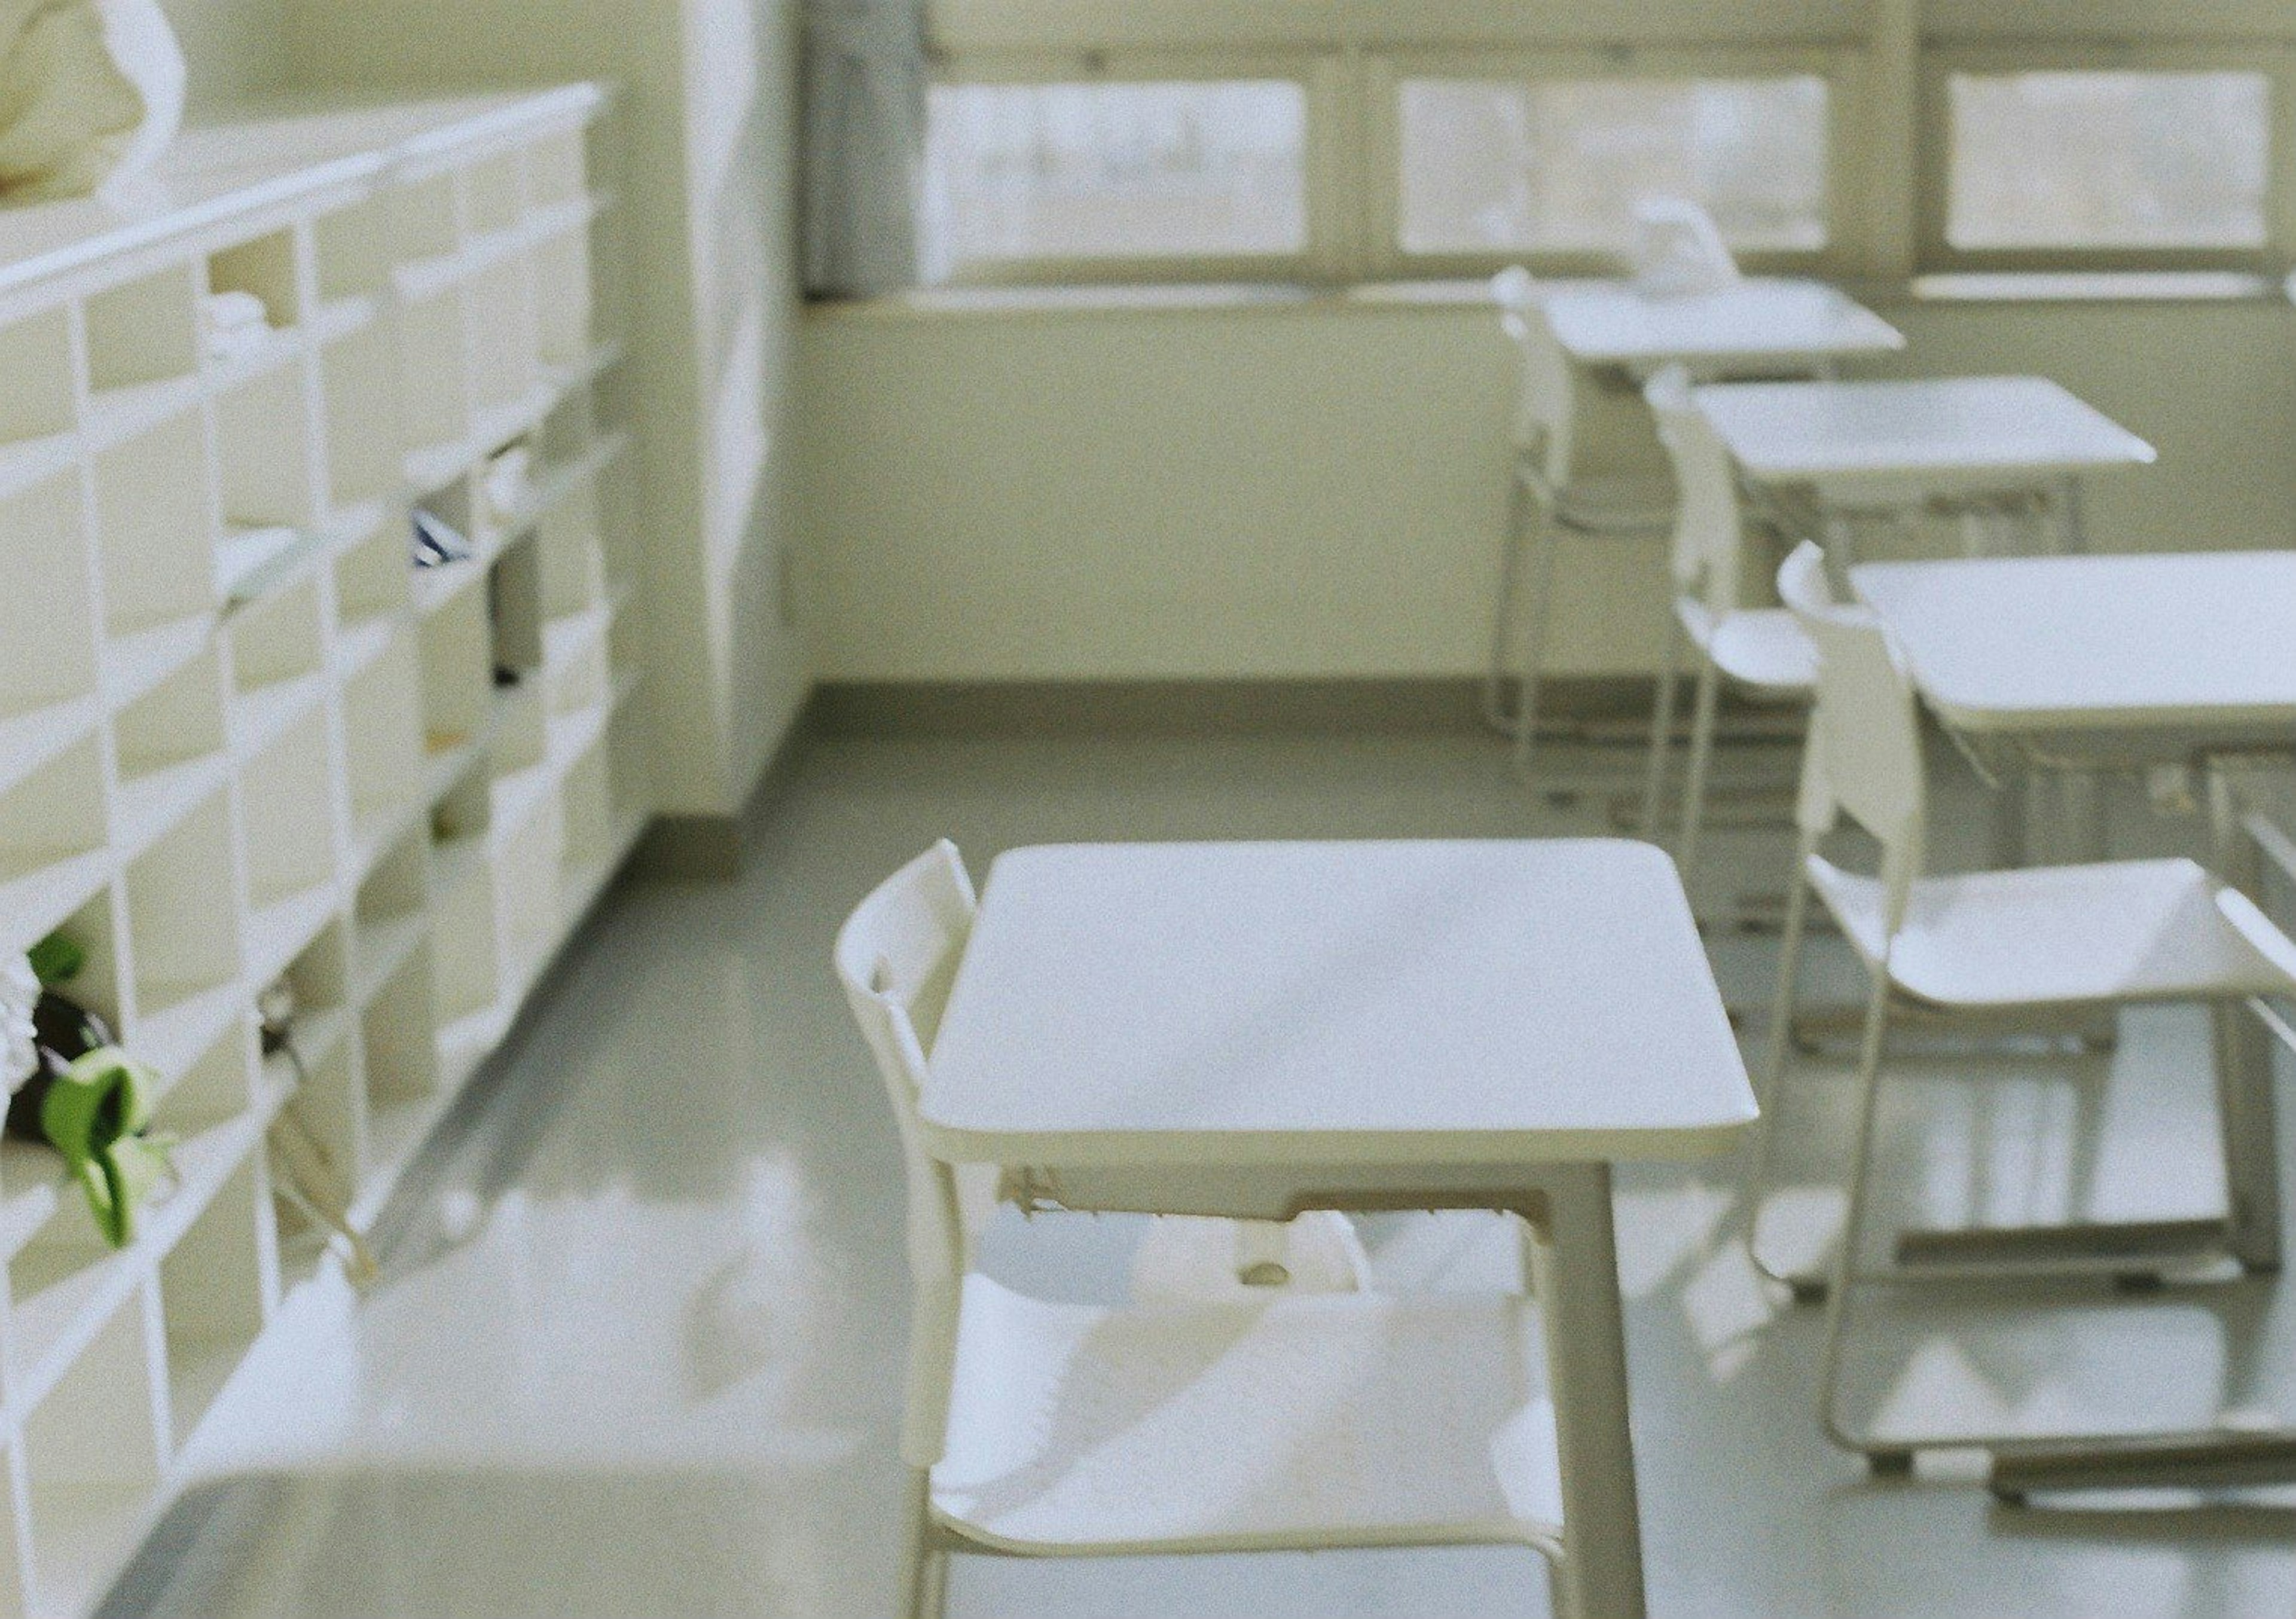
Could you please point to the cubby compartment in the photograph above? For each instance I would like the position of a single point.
(54, 839)
(143, 346)
(365, 459)
(458, 656)
(423, 228)
(617, 531)
(99, 984)
(571, 553)
(400, 1054)
(591, 842)
(46, 615)
(214, 1091)
(350, 246)
(154, 533)
(313, 1146)
(382, 745)
(91, 1458)
(263, 268)
(183, 936)
(372, 593)
(556, 169)
(515, 612)
(169, 750)
(492, 195)
(577, 682)
(504, 363)
(569, 433)
(216, 1288)
(287, 816)
(466, 964)
(35, 408)
(278, 655)
(451, 513)
(391, 914)
(269, 496)
(528, 861)
(434, 383)
(564, 300)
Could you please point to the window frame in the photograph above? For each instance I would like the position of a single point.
(1383, 253)
(1935, 253)
(1322, 257)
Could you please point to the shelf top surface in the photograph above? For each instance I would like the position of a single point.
(261, 155)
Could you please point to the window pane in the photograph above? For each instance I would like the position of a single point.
(2109, 160)
(1116, 170)
(1511, 167)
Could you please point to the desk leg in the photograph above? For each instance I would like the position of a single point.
(2072, 536)
(2244, 1059)
(1586, 1356)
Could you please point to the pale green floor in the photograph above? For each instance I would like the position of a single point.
(638, 1349)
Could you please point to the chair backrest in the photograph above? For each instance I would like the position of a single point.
(1864, 753)
(896, 956)
(1710, 536)
(1545, 414)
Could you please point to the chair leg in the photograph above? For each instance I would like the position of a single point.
(924, 1576)
(1497, 712)
(1775, 1058)
(1694, 784)
(1662, 732)
(1845, 1258)
(1538, 611)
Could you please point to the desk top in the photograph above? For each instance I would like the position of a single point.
(1302, 1003)
(1752, 323)
(2181, 641)
(1936, 430)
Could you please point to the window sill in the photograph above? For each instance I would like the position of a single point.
(2020, 288)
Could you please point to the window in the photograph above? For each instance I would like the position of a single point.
(2108, 160)
(1052, 174)
(1494, 166)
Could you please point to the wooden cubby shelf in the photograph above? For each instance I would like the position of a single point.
(247, 741)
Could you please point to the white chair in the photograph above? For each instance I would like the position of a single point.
(2068, 938)
(1761, 650)
(1294, 1422)
(1545, 502)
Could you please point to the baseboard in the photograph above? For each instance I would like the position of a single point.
(711, 848)
(1192, 708)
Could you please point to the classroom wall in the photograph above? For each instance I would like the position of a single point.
(1314, 488)
(233, 49)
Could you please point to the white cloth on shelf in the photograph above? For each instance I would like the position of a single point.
(231, 321)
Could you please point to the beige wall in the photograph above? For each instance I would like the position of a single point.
(234, 49)
(1315, 490)
(704, 126)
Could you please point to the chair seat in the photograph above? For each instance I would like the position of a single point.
(1759, 647)
(1620, 504)
(1352, 1419)
(2135, 929)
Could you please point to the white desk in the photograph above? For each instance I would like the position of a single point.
(2169, 646)
(1777, 325)
(1253, 1029)
(1887, 446)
